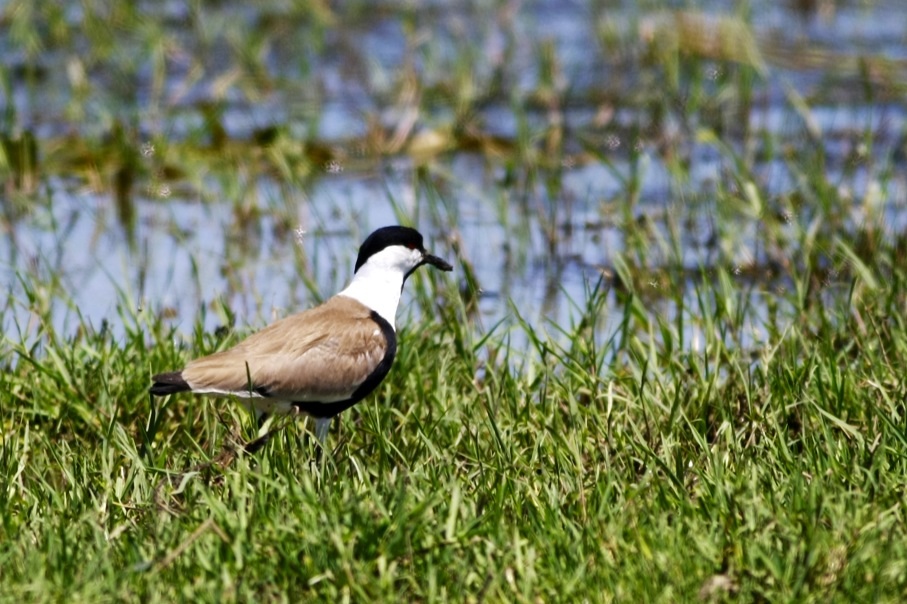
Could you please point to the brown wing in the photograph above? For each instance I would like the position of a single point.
(322, 354)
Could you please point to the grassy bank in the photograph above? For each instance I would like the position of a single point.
(631, 469)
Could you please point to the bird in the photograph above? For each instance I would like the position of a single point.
(321, 361)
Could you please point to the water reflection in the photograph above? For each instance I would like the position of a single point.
(549, 156)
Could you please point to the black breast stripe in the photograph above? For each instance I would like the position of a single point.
(316, 409)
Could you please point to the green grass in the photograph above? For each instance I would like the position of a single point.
(628, 469)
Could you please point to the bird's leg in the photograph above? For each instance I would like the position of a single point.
(322, 426)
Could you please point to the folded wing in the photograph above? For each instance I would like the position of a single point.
(323, 354)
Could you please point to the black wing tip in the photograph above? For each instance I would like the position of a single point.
(169, 383)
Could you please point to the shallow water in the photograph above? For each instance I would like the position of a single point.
(253, 240)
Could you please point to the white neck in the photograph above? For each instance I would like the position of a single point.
(378, 288)
(379, 282)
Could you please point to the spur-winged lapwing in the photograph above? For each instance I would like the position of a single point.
(324, 360)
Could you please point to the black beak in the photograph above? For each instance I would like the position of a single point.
(436, 262)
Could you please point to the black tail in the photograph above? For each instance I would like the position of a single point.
(169, 383)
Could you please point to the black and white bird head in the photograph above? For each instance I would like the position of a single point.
(386, 258)
(396, 248)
